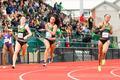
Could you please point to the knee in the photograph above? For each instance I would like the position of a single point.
(3, 53)
(15, 53)
(104, 51)
(47, 49)
(99, 54)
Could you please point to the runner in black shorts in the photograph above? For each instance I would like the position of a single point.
(104, 42)
(49, 41)
(21, 41)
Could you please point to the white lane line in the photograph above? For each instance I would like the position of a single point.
(113, 72)
(23, 74)
(26, 73)
(73, 71)
(85, 68)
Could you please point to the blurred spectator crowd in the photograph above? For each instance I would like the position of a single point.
(37, 14)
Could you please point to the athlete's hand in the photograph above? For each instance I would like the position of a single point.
(47, 30)
(25, 37)
(102, 29)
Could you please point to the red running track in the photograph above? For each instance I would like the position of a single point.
(83, 70)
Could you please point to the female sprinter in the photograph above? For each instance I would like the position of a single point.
(49, 41)
(8, 45)
(104, 41)
(24, 32)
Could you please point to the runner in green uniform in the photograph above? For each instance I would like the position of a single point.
(49, 41)
(104, 41)
(21, 41)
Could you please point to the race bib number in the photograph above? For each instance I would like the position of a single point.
(105, 35)
(6, 40)
(48, 35)
(20, 35)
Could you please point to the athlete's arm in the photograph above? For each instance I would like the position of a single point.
(29, 32)
(0, 35)
(111, 30)
(101, 26)
(54, 29)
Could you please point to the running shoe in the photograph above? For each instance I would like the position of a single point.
(13, 67)
(99, 68)
(44, 64)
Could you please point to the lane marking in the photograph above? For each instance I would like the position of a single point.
(69, 74)
(113, 72)
(73, 71)
(23, 74)
(49, 67)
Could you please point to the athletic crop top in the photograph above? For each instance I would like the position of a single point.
(7, 38)
(105, 32)
(21, 33)
(48, 34)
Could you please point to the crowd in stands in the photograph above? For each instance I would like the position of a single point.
(37, 13)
